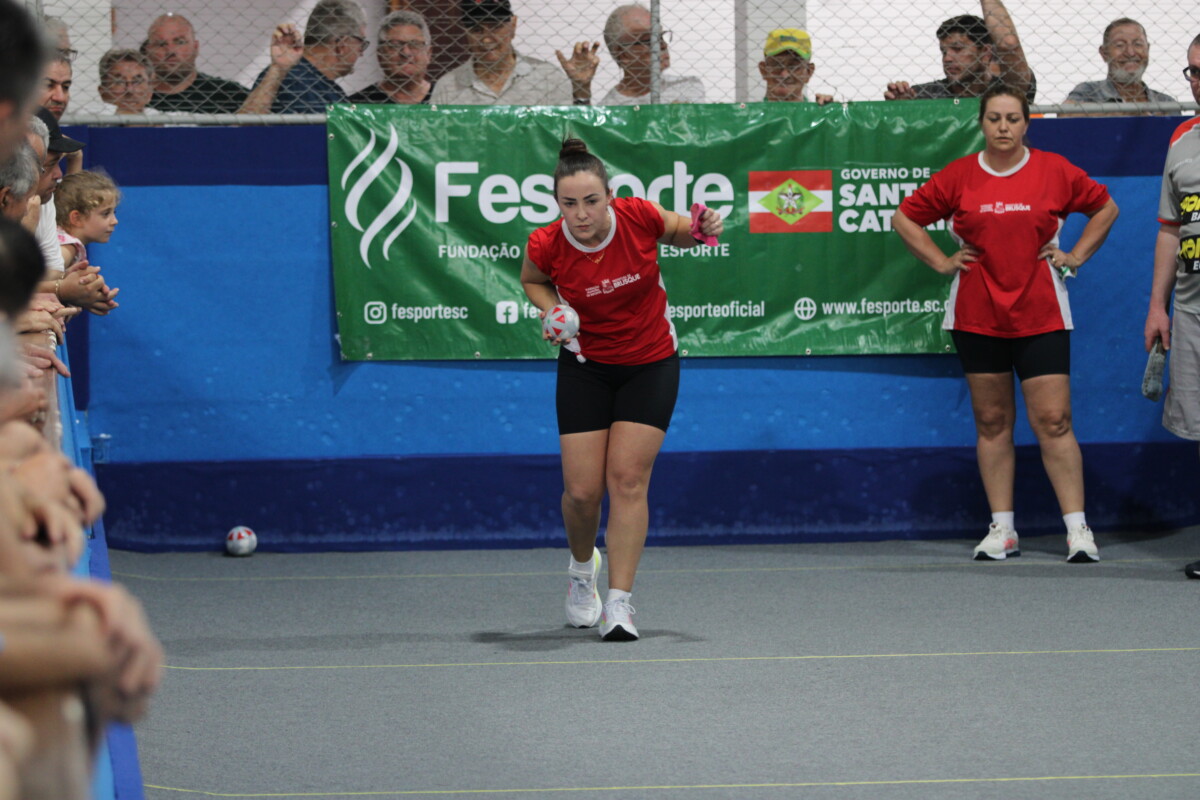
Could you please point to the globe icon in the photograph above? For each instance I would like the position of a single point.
(805, 308)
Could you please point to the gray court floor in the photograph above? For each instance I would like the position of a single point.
(884, 670)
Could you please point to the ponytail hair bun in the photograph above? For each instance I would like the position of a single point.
(571, 147)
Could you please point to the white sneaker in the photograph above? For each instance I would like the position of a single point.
(583, 600)
(616, 624)
(999, 544)
(1081, 546)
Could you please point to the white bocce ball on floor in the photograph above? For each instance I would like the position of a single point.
(240, 541)
(561, 322)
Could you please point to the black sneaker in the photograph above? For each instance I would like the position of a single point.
(1192, 570)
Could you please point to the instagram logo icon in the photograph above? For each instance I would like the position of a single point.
(375, 312)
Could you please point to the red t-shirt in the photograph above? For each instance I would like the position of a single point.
(1008, 217)
(616, 288)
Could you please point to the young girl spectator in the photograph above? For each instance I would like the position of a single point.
(86, 206)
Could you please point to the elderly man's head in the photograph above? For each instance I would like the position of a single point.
(403, 47)
(338, 28)
(125, 80)
(490, 27)
(18, 178)
(966, 49)
(172, 48)
(627, 34)
(787, 65)
(1126, 50)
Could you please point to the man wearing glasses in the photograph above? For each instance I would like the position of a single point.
(1126, 52)
(787, 67)
(496, 74)
(303, 73)
(403, 53)
(628, 37)
(1177, 269)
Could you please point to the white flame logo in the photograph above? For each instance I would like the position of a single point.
(392, 209)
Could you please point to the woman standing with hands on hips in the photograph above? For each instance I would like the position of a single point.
(1008, 306)
(617, 378)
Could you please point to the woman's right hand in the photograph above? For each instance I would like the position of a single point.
(959, 261)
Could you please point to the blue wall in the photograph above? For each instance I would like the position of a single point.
(219, 384)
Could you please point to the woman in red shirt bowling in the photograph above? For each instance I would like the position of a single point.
(617, 378)
(1008, 308)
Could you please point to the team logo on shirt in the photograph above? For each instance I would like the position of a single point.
(608, 286)
(796, 201)
(1003, 208)
(1189, 254)
(1189, 208)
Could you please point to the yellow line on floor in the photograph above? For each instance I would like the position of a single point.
(804, 785)
(696, 660)
(1028, 562)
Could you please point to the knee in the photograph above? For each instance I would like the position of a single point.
(627, 484)
(583, 497)
(1052, 424)
(993, 424)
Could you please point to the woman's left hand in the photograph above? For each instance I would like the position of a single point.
(1058, 259)
(711, 223)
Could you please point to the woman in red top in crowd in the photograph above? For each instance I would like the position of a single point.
(1008, 305)
(617, 378)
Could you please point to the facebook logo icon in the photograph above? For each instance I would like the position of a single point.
(507, 312)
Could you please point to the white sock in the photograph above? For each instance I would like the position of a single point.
(617, 594)
(1074, 518)
(581, 567)
(1003, 518)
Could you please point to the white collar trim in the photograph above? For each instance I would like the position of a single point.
(612, 231)
(984, 165)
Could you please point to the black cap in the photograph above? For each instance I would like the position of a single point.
(485, 12)
(58, 142)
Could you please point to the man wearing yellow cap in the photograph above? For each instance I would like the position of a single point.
(787, 66)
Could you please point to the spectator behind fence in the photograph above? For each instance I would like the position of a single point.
(496, 74)
(18, 178)
(403, 54)
(787, 67)
(125, 83)
(302, 76)
(22, 60)
(976, 55)
(1126, 52)
(56, 88)
(172, 48)
(86, 208)
(628, 38)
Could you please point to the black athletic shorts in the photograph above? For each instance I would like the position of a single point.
(592, 396)
(1030, 356)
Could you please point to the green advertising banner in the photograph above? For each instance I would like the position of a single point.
(431, 208)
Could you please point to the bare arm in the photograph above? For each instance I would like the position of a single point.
(677, 229)
(1100, 222)
(1158, 320)
(287, 48)
(1014, 69)
(537, 286)
(921, 244)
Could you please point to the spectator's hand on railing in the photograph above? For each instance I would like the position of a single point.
(26, 403)
(900, 90)
(19, 441)
(581, 69)
(38, 321)
(86, 289)
(87, 494)
(44, 358)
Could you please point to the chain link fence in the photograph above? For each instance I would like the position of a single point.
(709, 50)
